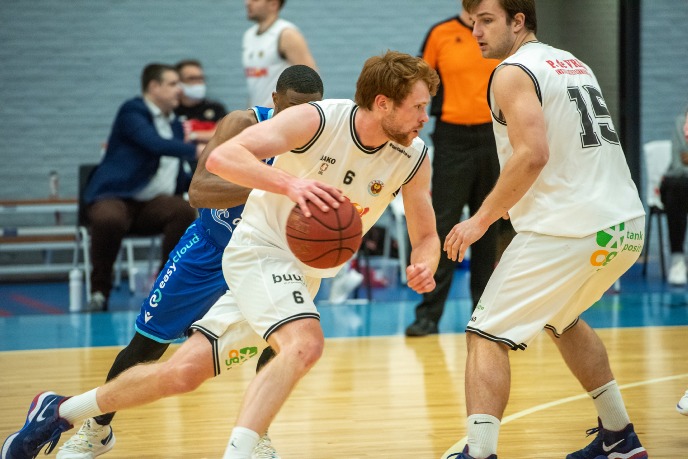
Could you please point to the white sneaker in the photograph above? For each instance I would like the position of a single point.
(264, 449)
(90, 441)
(343, 285)
(682, 405)
(677, 272)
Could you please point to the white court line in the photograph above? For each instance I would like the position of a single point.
(458, 446)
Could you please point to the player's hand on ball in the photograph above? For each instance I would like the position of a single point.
(420, 278)
(320, 194)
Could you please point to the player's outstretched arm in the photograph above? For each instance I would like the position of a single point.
(420, 220)
(208, 190)
(515, 95)
(238, 159)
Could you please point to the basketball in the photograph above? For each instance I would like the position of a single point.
(325, 239)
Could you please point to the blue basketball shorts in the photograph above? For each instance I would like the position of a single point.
(186, 288)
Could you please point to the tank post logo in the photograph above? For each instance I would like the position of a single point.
(237, 357)
(614, 240)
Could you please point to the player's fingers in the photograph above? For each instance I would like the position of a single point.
(423, 284)
(461, 252)
(303, 205)
(427, 286)
(448, 241)
(412, 274)
(326, 198)
(451, 244)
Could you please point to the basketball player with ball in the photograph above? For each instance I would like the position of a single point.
(327, 154)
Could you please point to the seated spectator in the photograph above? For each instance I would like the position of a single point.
(138, 186)
(674, 189)
(198, 114)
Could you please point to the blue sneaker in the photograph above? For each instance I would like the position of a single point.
(43, 426)
(611, 445)
(464, 455)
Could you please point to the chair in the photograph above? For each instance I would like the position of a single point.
(657, 157)
(128, 243)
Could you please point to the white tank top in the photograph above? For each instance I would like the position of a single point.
(262, 61)
(586, 185)
(369, 177)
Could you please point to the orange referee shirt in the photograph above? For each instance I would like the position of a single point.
(450, 49)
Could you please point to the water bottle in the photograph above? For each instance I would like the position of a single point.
(75, 290)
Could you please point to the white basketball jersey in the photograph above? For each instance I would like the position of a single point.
(369, 177)
(262, 61)
(586, 185)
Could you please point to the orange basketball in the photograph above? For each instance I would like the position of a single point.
(325, 239)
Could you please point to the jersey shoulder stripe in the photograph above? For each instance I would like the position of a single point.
(490, 100)
(354, 137)
(318, 133)
(421, 157)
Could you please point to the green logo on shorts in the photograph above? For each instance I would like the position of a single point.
(237, 357)
(613, 237)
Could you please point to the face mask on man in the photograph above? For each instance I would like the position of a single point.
(194, 91)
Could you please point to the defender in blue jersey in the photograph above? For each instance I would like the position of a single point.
(192, 280)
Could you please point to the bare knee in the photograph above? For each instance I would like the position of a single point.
(179, 377)
(476, 343)
(189, 366)
(303, 354)
(299, 344)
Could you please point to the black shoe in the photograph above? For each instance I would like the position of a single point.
(422, 327)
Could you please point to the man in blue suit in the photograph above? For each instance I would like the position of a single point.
(138, 186)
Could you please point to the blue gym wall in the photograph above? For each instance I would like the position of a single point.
(68, 65)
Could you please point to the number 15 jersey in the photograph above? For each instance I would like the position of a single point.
(586, 185)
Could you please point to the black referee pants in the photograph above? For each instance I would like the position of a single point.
(465, 169)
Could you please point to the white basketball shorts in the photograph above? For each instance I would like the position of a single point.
(548, 281)
(266, 290)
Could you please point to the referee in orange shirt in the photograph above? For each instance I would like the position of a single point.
(465, 164)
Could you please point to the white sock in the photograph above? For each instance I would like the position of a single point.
(80, 407)
(241, 443)
(483, 432)
(610, 406)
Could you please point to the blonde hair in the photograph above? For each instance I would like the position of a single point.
(393, 75)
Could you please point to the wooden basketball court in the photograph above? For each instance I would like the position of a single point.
(384, 397)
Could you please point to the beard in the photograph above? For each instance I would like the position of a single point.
(397, 136)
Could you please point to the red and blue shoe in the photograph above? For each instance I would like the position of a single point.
(611, 445)
(464, 455)
(43, 427)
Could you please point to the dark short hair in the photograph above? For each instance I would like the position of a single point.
(153, 72)
(301, 79)
(282, 2)
(527, 7)
(186, 62)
